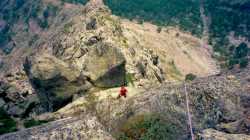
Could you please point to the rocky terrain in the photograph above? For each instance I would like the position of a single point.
(219, 108)
(93, 49)
(69, 77)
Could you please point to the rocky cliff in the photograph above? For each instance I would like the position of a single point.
(92, 49)
(74, 71)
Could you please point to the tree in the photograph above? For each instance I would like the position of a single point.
(190, 77)
(241, 51)
(243, 62)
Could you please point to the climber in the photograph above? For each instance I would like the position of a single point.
(123, 92)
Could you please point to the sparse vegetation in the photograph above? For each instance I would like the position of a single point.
(184, 14)
(227, 17)
(67, 27)
(4, 35)
(32, 122)
(147, 127)
(190, 77)
(43, 23)
(7, 124)
(243, 63)
(159, 29)
(174, 68)
(240, 56)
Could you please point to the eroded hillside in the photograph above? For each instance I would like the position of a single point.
(179, 53)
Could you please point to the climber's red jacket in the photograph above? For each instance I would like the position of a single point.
(123, 91)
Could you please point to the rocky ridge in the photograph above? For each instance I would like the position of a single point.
(216, 102)
(94, 50)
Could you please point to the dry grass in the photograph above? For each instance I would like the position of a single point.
(172, 45)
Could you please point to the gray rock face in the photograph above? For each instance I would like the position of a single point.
(77, 60)
(84, 128)
(2, 103)
(105, 66)
(212, 101)
(13, 101)
(54, 80)
(23, 108)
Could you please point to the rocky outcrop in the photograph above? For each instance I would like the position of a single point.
(213, 101)
(84, 128)
(56, 81)
(88, 52)
(79, 57)
(16, 103)
(105, 66)
(102, 49)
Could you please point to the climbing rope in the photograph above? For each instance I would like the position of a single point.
(188, 113)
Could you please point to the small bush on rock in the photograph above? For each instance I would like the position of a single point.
(147, 127)
(243, 63)
(190, 77)
(32, 122)
(7, 124)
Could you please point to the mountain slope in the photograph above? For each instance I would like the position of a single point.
(75, 57)
(179, 53)
(226, 21)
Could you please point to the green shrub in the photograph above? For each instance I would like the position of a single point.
(232, 62)
(243, 63)
(241, 51)
(32, 122)
(7, 123)
(239, 56)
(43, 23)
(147, 127)
(67, 27)
(159, 29)
(8, 50)
(190, 77)
(18, 4)
(50, 10)
(4, 35)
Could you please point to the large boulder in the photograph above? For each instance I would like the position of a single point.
(15, 103)
(24, 108)
(105, 66)
(57, 80)
(81, 55)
